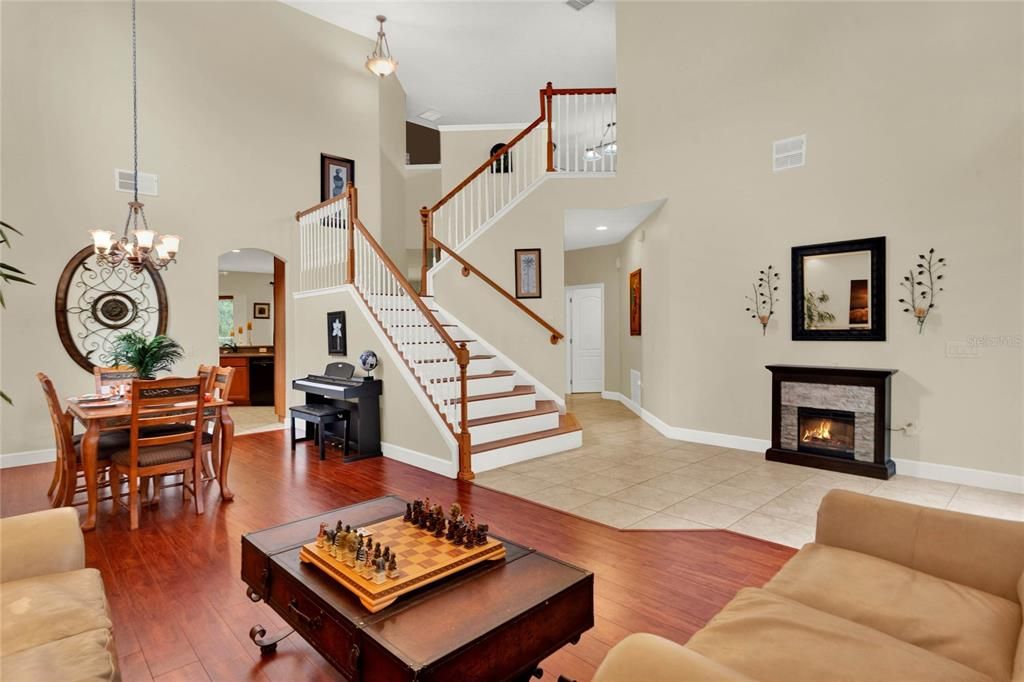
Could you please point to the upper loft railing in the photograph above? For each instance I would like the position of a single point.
(574, 133)
(335, 248)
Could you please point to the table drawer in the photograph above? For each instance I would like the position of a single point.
(306, 613)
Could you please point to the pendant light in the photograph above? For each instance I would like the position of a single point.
(380, 62)
(145, 245)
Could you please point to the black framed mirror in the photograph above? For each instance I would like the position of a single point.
(839, 291)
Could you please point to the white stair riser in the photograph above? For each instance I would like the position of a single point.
(440, 350)
(494, 459)
(486, 433)
(492, 408)
(435, 370)
(390, 317)
(491, 385)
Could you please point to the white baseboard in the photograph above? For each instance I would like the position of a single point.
(446, 468)
(20, 459)
(513, 454)
(937, 472)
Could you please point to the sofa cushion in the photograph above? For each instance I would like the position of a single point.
(34, 611)
(1018, 664)
(767, 636)
(954, 621)
(85, 657)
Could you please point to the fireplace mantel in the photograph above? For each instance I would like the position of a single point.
(863, 393)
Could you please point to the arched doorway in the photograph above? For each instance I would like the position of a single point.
(251, 336)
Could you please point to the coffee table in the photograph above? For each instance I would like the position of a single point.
(491, 622)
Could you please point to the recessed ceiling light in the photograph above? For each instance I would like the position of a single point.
(236, 251)
(430, 115)
(601, 228)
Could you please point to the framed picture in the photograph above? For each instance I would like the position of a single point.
(337, 333)
(528, 273)
(503, 164)
(335, 174)
(261, 311)
(635, 292)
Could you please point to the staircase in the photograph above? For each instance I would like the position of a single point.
(495, 413)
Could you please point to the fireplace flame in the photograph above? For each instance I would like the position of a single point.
(821, 432)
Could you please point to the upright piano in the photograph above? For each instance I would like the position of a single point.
(360, 397)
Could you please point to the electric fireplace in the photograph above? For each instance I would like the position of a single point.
(826, 432)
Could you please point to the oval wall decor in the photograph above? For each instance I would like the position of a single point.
(97, 303)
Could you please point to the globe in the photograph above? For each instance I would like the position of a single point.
(368, 360)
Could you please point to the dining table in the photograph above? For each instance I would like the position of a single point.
(99, 418)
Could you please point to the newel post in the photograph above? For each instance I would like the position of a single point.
(465, 443)
(546, 96)
(428, 225)
(350, 244)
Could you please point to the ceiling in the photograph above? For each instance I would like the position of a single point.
(581, 224)
(485, 61)
(246, 260)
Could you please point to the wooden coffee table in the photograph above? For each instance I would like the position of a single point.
(491, 622)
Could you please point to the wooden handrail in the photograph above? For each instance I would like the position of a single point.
(327, 202)
(582, 91)
(467, 268)
(487, 164)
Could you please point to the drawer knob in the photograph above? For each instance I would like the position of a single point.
(310, 622)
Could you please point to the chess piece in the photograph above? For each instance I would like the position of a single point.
(358, 555)
(450, 535)
(408, 513)
(387, 554)
(393, 567)
(321, 535)
(337, 551)
(350, 552)
(379, 571)
(376, 551)
(439, 531)
(481, 534)
(367, 571)
(455, 511)
(460, 535)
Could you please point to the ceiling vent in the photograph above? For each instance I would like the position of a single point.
(578, 4)
(430, 115)
(789, 153)
(124, 181)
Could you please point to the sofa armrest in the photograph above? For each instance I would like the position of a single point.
(40, 543)
(654, 659)
(977, 551)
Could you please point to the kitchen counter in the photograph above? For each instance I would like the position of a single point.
(248, 354)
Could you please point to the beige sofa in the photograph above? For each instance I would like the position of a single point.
(887, 591)
(54, 620)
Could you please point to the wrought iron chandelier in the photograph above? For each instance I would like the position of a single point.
(145, 246)
(380, 62)
(602, 148)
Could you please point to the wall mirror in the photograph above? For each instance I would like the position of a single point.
(839, 291)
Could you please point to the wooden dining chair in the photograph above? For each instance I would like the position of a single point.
(113, 376)
(219, 389)
(159, 403)
(205, 372)
(68, 466)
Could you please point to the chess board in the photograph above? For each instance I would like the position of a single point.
(422, 559)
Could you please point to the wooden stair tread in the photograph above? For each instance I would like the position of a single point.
(567, 423)
(543, 407)
(496, 374)
(516, 390)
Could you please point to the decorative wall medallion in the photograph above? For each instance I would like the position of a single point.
(96, 303)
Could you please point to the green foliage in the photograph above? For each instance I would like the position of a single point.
(8, 275)
(146, 356)
(814, 314)
(226, 319)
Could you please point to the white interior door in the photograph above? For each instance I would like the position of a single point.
(585, 307)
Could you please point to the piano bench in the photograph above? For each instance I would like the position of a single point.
(320, 416)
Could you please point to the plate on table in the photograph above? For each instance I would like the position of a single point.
(89, 398)
(105, 403)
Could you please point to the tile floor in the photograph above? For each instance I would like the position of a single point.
(255, 419)
(627, 475)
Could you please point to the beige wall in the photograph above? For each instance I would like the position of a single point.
(247, 288)
(422, 188)
(914, 124)
(601, 265)
(237, 101)
(404, 422)
(392, 167)
(462, 152)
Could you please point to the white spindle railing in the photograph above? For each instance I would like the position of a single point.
(583, 131)
(322, 240)
(427, 353)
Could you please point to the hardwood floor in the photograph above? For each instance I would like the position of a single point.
(180, 610)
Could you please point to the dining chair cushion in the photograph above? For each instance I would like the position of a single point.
(155, 455)
(110, 442)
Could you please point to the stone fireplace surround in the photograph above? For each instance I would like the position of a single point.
(864, 392)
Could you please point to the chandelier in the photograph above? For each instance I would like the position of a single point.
(380, 62)
(145, 246)
(603, 148)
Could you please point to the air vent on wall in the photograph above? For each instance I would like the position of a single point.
(789, 153)
(124, 181)
(578, 4)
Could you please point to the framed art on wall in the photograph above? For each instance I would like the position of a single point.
(337, 333)
(634, 302)
(261, 311)
(528, 273)
(335, 174)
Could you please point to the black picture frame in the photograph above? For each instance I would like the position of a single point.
(337, 343)
(261, 311)
(327, 163)
(876, 332)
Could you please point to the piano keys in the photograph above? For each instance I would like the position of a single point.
(360, 397)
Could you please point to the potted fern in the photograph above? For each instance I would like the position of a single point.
(146, 356)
